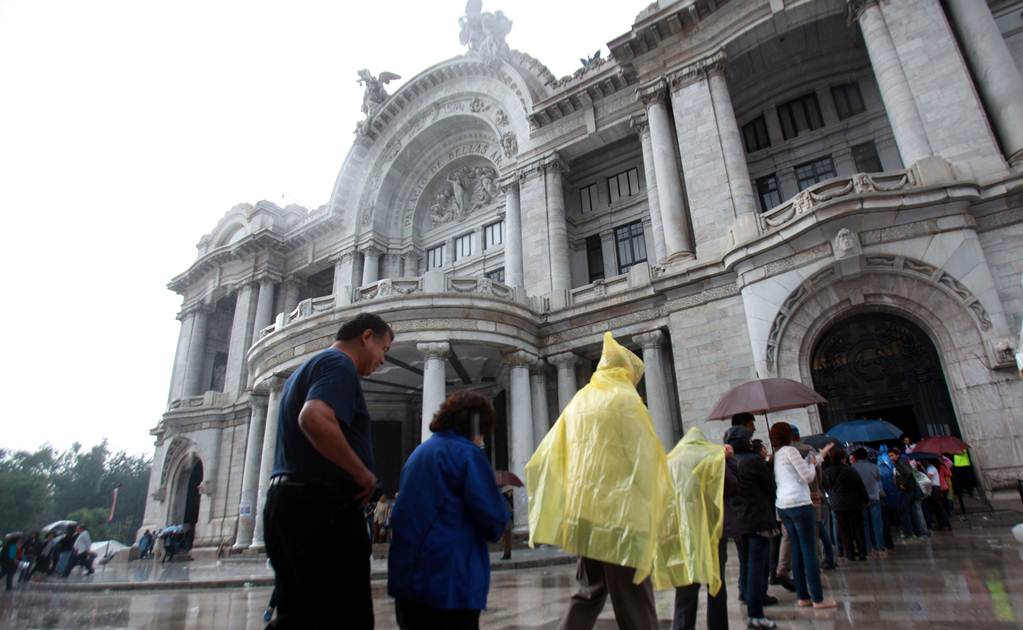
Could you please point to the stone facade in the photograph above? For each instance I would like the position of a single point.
(736, 181)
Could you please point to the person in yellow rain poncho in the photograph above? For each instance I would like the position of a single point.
(704, 478)
(598, 488)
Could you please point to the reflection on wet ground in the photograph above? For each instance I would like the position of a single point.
(970, 579)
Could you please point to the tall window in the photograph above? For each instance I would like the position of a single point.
(799, 115)
(594, 257)
(631, 245)
(463, 246)
(848, 100)
(754, 135)
(814, 172)
(493, 234)
(865, 156)
(497, 275)
(435, 257)
(767, 190)
(623, 185)
(588, 198)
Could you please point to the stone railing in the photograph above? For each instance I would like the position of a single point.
(835, 189)
(388, 287)
(207, 399)
(599, 289)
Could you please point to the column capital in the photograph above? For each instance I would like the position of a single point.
(270, 385)
(259, 398)
(697, 70)
(537, 367)
(509, 181)
(563, 360)
(553, 162)
(652, 93)
(342, 258)
(519, 358)
(193, 309)
(433, 349)
(857, 7)
(650, 340)
(640, 124)
(370, 250)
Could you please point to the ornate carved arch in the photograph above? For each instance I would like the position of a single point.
(179, 449)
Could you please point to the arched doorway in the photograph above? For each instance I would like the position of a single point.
(191, 515)
(880, 365)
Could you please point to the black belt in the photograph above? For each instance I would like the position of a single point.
(306, 481)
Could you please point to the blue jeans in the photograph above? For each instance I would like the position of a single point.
(806, 572)
(757, 552)
(873, 526)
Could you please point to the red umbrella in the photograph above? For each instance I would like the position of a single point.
(940, 444)
(507, 478)
(762, 396)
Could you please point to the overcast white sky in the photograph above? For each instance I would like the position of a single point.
(128, 128)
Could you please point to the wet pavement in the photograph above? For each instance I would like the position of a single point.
(967, 579)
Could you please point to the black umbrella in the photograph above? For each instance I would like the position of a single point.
(58, 527)
(818, 440)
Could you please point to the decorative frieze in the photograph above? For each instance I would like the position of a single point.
(652, 92)
(698, 70)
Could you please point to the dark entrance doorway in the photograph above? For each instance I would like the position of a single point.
(879, 365)
(192, 495)
(387, 454)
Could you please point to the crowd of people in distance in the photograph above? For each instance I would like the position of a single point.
(59, 551)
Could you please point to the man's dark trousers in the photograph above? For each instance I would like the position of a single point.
(319, 547)
(686, 598)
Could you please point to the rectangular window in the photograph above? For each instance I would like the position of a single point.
(848, 100)
(754, 135)
(594, 257)
(799, 115)
(814, 172)
(463, 246)
(493, 234)
(767, 190)
(630, 244)
(622, 185)
(435, 257)
(866, 159)
(497, 275)
(588, 198)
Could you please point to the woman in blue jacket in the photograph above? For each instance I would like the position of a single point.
(448, 507)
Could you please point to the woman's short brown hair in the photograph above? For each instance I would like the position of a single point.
(781, 435)
(456, 413)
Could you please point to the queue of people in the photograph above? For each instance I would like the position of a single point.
(61, 550)
(600, 486)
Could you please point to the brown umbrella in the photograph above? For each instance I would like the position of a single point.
(940, 444)
(762, 396)
(507, 478)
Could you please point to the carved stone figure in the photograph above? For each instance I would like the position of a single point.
(375, 95)
(467, 189)
(501, 118)
(509, 144)
(484, 33)
(846, 244)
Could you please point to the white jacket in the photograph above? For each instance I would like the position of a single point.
(83, 543)
(792, 476)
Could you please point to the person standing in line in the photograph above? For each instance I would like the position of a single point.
(873, 521)
(755, 519)
(936, 501)
(849, 499)
(450, 507)
(321, 479)
(705, 480)
(747, 421)
(910, 512)
(599, 488)
(793, 475)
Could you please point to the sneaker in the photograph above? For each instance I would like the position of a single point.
(770, 601)
(785, 582)
(761, 622)
(268, 614)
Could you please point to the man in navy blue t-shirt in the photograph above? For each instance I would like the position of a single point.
(322, 476)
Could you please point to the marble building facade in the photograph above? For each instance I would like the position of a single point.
(822, 190)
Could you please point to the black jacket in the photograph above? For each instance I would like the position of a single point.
(731, 529)
(845, 486)
(754, 503)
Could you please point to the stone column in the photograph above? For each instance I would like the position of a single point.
(292, 290)
(266, 459)
(434, 385)
(344, 272)
(567, 387)
(370, 265)
(241, 340)
(657, 386)
(411, 265)
(561, 271)
(512, 233)
(995, 73)
(196, 352)
(734, 153)
(177, 387)
(677, 242)
(250, 474)
(642, 127)
(521, 426)
(607, 252)
(898, 100)
(538, 394)
(264, 307)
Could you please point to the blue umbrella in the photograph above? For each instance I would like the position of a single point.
(865, 431)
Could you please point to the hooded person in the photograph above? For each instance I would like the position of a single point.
(599, 488)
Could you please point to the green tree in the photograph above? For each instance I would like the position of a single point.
(26, 498)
